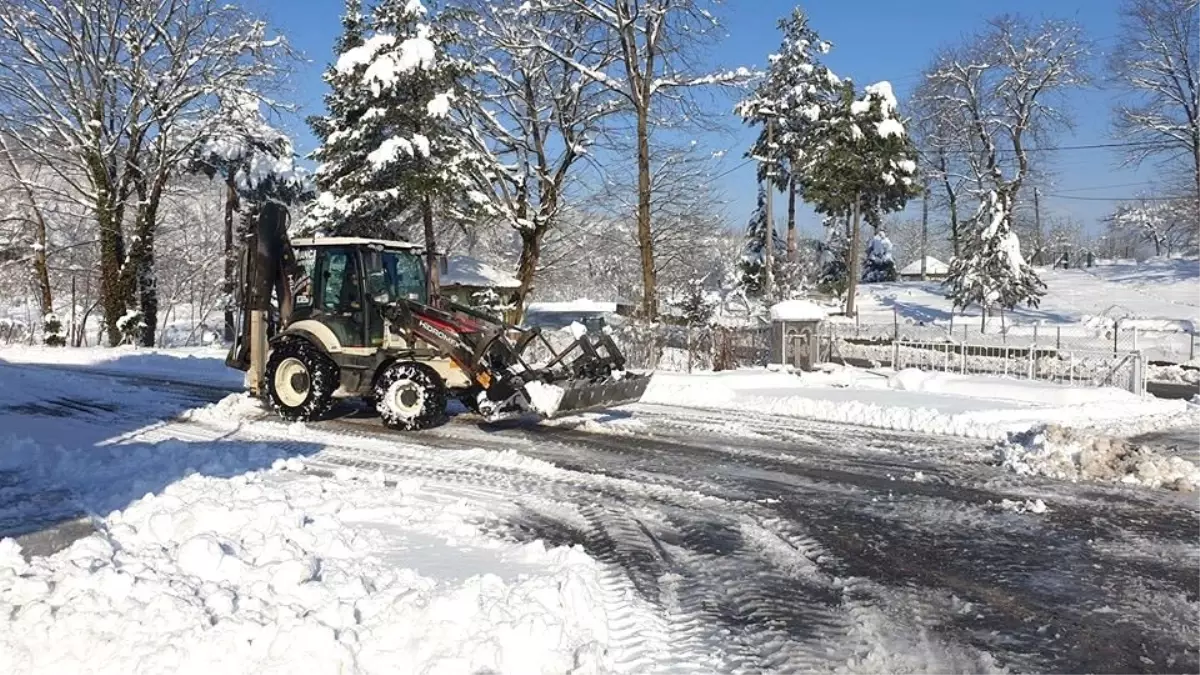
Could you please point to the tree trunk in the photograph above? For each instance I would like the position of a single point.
(432, 284)
(1196, 157)
(112, 254)
(852, 271)
(41, 272)
(227, 287)
(645, 240)
(791, 220)
(531, 253)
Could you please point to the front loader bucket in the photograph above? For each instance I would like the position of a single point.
(579, 395)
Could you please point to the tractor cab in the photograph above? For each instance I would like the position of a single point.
(344, 283)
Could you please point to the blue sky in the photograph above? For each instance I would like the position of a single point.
(873, 40)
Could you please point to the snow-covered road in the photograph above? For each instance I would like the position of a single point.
(724, 542)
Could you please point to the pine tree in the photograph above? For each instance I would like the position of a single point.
(390, 149)
(791, 97)
(832, 254)
(752, 263)
(879, 265)
(992, 272)
(863, 164)
(697, 303)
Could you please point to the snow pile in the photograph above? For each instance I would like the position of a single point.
(1068, 454)
(196, 365)
(543, 398)
(1028, 506)
(935, 403)
(798, 310)
(1173, 373)
(268, 573)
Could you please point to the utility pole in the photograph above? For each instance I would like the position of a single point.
(1037, 224)
(924, 230)
(769, 231)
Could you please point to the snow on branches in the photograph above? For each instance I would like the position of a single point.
(880, 263)
(388, 142)
(794, 95)
(256, 159)
(991, 272)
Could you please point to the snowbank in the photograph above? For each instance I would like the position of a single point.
(798, 310)
(198, 365)
(937, 403)
(1069, 454)
(271, 572)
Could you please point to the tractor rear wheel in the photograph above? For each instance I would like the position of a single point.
(300, 380)
(410, 396)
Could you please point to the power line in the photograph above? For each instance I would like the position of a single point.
(1110, 187)
(1120, 199)
(1092, 146)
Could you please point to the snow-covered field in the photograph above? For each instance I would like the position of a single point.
(1160, 297)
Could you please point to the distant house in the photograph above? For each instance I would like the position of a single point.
(472, 282)
(934, 269)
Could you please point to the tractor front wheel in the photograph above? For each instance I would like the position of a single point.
(410, 396)
(300, 380)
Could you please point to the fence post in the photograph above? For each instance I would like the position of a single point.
(1058, 339)
(895, 323)
(1116, 331)
(1192, 347)
(895, 355)
(1135, 340)
(962, 350)
(1031, 352)
(1138, 376)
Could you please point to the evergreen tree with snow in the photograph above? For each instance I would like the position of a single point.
(697, 303)
(791, 97)
(864, 164)
(991, 272)
(832, 255)
(390, 148)
(879, 265)
(752, 263)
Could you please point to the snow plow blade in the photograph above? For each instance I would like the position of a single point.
(581, 395)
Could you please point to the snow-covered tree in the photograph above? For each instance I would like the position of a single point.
(863, 165)
(1001, 93)
(255, 161)
(832, 255)
(535, 116)
(992, 272)
(880, 263)
(389, 144)
(1156, 61)
(697, 303)
(752, 262)
(1170, 225)
(789, 99)
(107, 96)
(659, 45)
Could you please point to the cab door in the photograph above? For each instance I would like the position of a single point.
(337, 299)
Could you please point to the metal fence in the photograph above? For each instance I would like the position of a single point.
(1076, 367)
(1178, 344)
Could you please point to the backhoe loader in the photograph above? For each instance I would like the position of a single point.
(352, 318)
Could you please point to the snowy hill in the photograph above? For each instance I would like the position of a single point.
(1158, 297)
(1154, 289)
